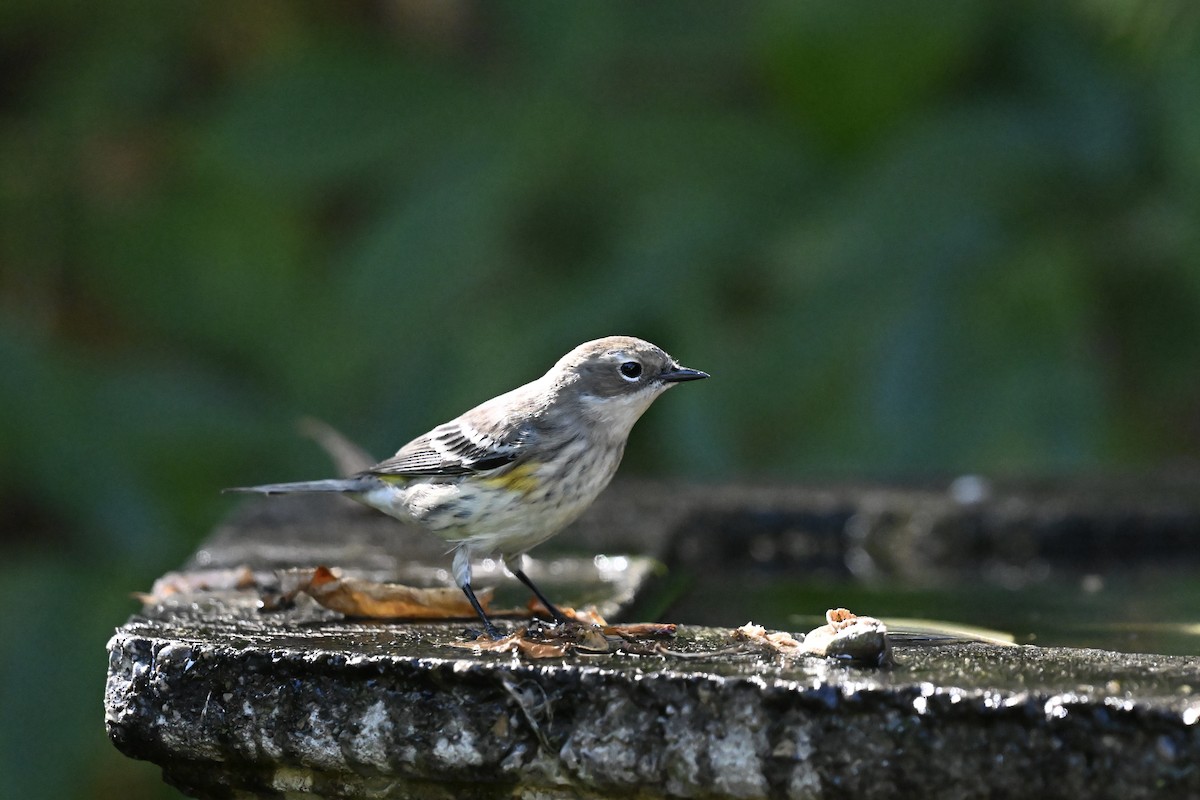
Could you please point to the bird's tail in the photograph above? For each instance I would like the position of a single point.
(360, 483)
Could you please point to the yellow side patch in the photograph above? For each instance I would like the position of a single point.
(393, 479)
(521, 479)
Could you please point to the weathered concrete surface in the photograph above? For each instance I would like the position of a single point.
(232, 703)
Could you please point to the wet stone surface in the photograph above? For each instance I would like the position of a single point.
(234, 703)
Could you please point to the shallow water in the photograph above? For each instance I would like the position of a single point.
(1144, 611)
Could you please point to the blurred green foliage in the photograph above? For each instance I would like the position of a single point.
(906, 238)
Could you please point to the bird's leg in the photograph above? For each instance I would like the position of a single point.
(487, 623)
(559, 616)
(462, 576)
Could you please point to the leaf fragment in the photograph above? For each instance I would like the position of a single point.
(358, 597)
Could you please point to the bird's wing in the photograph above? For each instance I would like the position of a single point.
(456, 448)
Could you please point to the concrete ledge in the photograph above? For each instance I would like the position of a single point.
(350, 710)
(234, 703)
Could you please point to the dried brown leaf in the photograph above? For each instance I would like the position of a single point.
(780, 641)
(641, 630)
(517, 643)
(208, 580)
(544, 640)
(356, 597)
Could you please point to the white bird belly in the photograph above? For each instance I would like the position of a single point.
(508, 513)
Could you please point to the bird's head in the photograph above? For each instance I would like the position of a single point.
(616, 378)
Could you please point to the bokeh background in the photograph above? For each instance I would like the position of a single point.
(907, 238)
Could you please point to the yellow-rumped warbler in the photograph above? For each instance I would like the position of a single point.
(514, 471)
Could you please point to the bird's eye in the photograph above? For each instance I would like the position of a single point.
(631, 370)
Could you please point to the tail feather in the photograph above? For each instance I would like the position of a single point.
(340, 485)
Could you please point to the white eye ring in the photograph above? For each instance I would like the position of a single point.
(631, 371)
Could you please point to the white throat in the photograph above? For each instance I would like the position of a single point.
(618, 414)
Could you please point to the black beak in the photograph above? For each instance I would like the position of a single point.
(679, 374)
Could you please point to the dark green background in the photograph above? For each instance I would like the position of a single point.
(906, 238)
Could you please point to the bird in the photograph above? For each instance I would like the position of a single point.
(515, 470)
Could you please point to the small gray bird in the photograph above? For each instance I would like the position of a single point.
(514, 471)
